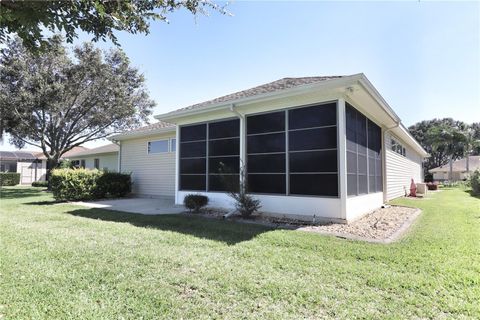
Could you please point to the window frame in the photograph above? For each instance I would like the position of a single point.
(173, 145)
(161, 152)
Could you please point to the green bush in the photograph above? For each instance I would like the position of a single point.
(84, 184)
(43, 184)
(195, 202)
(113, 184)
(475, 182)
(9, 178)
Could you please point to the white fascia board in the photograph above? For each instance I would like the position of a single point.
(326, 84)
(140, 134)
(92, 154)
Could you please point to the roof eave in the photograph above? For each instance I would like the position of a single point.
(141, 134)
(172, 116)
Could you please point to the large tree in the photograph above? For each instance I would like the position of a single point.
(30, 20)
(446, 140)
(60, 99)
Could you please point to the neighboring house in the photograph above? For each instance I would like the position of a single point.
(459, 169)
(103, 158)
(32, 165)
(314, 148)
(24, 162)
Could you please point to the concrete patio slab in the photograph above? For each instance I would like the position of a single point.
(147, 206)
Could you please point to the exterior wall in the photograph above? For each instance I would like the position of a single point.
(30, 171)
(456, 175)
(400, 170)
(359, 205)
(302, 208)
(152, 174)
(108, 161)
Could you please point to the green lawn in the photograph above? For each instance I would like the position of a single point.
(64, 261)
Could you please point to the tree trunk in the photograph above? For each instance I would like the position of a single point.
(468, 164)
(450, 173)
(51, 164)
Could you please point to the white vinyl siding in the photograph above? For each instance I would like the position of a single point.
(152, 174)
(401, 169)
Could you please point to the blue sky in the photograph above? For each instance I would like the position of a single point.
(423, 57)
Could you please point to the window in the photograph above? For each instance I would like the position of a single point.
(173, 145)
(96, 163)
(364, 162)
(306, 164)
(398, 148)
(210, 156)
(159, 146)
(82, 163)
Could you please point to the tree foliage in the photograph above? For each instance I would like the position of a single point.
(58, 101)
(446, 139)
(31, 19)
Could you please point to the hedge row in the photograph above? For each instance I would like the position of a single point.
(9, 178)
(84, 184)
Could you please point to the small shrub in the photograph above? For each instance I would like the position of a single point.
(245, 204)
(113, 185)
(195, 202)
(84, 184)
(475, 182)
(43, 184)
(9, 178)
(66, 164)
(432, 185)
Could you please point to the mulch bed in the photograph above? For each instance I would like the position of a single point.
(384, 225)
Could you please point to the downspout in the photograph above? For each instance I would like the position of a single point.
(119, 164)
(242, 150)
(384, 160)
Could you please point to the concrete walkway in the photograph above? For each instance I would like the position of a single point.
(148, 206)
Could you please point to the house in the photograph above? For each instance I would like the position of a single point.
(313, 148)
(104, 157)
(459, 169)
(32, 165)
(24, 162)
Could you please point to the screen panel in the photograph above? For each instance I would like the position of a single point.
(314, 116)
(266, 183)
(224, 147)
(268, 122)
(314, 184)
(314, 161)
(193, 133)
(266, 143)
(192, 182)
(224, 129)
(271, 163)
(313, 139)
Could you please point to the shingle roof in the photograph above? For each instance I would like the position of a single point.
(149, 128)
(460, 165)
(109, 148)
(40, 155)
(17, 155)
(278, 85)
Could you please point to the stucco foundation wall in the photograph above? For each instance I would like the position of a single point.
(152, 174)
(361, 205)
(304, 208)
(400, 170)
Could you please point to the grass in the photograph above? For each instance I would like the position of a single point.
(61, 261)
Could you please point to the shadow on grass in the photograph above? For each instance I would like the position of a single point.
(224, 231)
(17, 193)
(470, 192)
